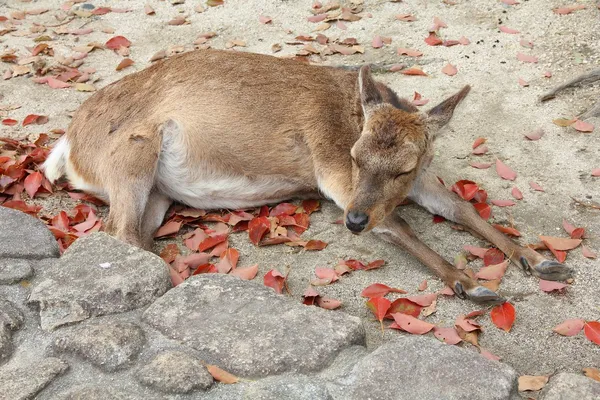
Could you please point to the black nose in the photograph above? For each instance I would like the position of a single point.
(356, 221)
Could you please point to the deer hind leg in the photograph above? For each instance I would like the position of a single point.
(154, 214)
(395, 230)
(437, 199)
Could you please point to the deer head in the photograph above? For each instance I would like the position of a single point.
(395, 146)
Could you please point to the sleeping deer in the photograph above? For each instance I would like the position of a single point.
(224, 129)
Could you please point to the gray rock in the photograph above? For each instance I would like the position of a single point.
(85, 392)
(288, 388)
(416, 367)
(25, 382)
(13, 270)
(108, 345)
(567, 386)
(175, 372)
(23, 236)
(98, 275)
(11, 319)
(248, 329)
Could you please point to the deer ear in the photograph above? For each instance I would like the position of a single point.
(441, 114)
(370, 97)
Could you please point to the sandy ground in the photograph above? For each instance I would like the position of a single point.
(498, 108)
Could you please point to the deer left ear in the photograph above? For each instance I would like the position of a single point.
(370, 97)
(441, 114)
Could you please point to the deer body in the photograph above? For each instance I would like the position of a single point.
(218, 129)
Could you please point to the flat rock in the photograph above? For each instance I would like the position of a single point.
(23, 236)
(107, 345)
(567, 386)
(13, 270)
(248, 329)
(25, 382)
(98, 275)
(416, 367)
(175, 372)
(289, 388)
(91, 392)
(11, 319)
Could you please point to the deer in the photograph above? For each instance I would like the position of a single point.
(218, 129)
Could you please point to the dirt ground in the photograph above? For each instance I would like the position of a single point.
(498, 108)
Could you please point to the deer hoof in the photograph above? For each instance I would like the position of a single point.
(552, 271)
(480, 294)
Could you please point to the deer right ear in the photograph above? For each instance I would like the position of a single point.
(370, 97)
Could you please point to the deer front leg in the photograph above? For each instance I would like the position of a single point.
(430, 194)
(395, 230)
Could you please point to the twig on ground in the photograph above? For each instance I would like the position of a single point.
(587, 78)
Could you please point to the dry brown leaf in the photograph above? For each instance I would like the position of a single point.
(221, 375)
(532, 383)
(593, 373)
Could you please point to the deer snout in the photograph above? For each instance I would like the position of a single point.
(356, 221)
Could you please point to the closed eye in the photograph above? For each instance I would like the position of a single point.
(403, 173)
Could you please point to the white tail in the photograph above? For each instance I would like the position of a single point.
(55, 165)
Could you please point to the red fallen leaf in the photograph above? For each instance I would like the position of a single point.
(424, 300)
(485, 353)
(449, 70)
(126, 62)
(493, 271)
(257, 228)
(526, 58)
(283, 208)
(246, 273)
(507, 230)
(492, 256)
(354, 264)
(447, 335)
(176, 277)
(477, 251)
(563, 244)
(481, 150)
(217, 373)
(478, 142)
(422, 286)
(438, 219)
(377, 42)
(535, 135)
(35, 119)
(591, 329)
(326, 274)
(310, 296)
(465, 189)
(433, 39)
(405, 17)
(484, 210)
(506, 29)
(588, 253)
(510, 2)
(516, 193)
(578, 233)
(302, 222)
(570, 327)
(169, 228)
(418, 101)
(466, 324)
(409, 52)
(568, 227)
(583, 126)
(549, 286)
(374, 265)
(56, 84)
(317, 18)
(315, 245)
(476, 313)
(275, 280)
(9, 122)
(101, 10)
(411, 324)
(379, 306)
(212, 241)
(596, 172)
(22, 206)
(547, 74)
(437, 24)
(504, 171)
(311, 206)
(535, 186)
(263, 19)
(229, 259)
(503, 203)
(379, 290)
(169, 253)
(568, 9)
(503, 316)
(327, 303)
(32, 183)
(560, 255)
(523, 82)
(404, 306)
(413, 71)
(117, 42)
